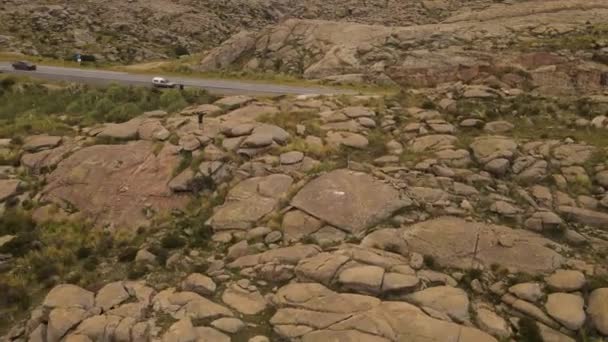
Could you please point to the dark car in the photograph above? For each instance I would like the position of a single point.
(21, 65)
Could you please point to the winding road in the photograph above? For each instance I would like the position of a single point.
(221, 87)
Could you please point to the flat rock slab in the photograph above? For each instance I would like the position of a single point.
(324, 315)
(249, 201)
(123, 131)
(114, 184)
(352, 201)
(46, 160)
(451, 241)
(37, 143)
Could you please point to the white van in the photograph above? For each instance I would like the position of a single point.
(161, 82)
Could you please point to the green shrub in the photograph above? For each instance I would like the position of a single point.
(90, 264)
(430, 261)
(529, 331)
(137, 271)
(14, 295)
(35, 108)
(83, 252)
(127, 254)
(172, 241)
(181, 50)
(20, 245)
(123, 113)
(14, 221)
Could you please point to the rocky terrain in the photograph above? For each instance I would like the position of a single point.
(137, 30)
(457, 213)
(471, 205)
(551, 46)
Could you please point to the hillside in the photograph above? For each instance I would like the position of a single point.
(461, 211)
(137, 30)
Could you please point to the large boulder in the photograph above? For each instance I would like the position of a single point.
(352, 201)
(452, 241)
(116, 185)
(491, 147)
(598, 310)
(69, 296)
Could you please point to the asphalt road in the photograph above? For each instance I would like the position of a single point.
(222, 87)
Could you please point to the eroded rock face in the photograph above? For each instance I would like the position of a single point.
(115, 184)
(315, 313)
(452, 242)
(352, 201)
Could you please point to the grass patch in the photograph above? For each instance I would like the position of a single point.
(32, 107)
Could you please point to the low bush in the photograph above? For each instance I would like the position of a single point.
(127, 254)
(172, 241)
(33, 107)
(529, 331)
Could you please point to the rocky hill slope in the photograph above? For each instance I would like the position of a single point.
(462, 213)
(499, 44)
(136, 30)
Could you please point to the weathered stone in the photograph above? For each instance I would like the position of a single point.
(180, 331)
(325, 315)
(152, 129)
(566, 280)
(244, 301)
(229, 324)
(69, 296)
(122, 131)
(111, 295)
(498, 166)
(432, 143)
(183, 182)
(585, 216)
(491, 323)
(567, 309)
(452, 242)
(492, 147)
(204, 334)
(37, 143)
(320, 268)
(364, 279)
(249, 201)
(531, 292)
(352, 201)
(328, 236)
(396, 282)
(573, 154)
(348, 139)
(116, 185)
(200, 284)
(290, 158)
(498, 127)
(446, 299)
(61, 320)
(298, 224)
(598, 310)
(530, 310)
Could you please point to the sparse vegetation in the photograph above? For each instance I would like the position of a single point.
(30, 107)
(529, 331)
